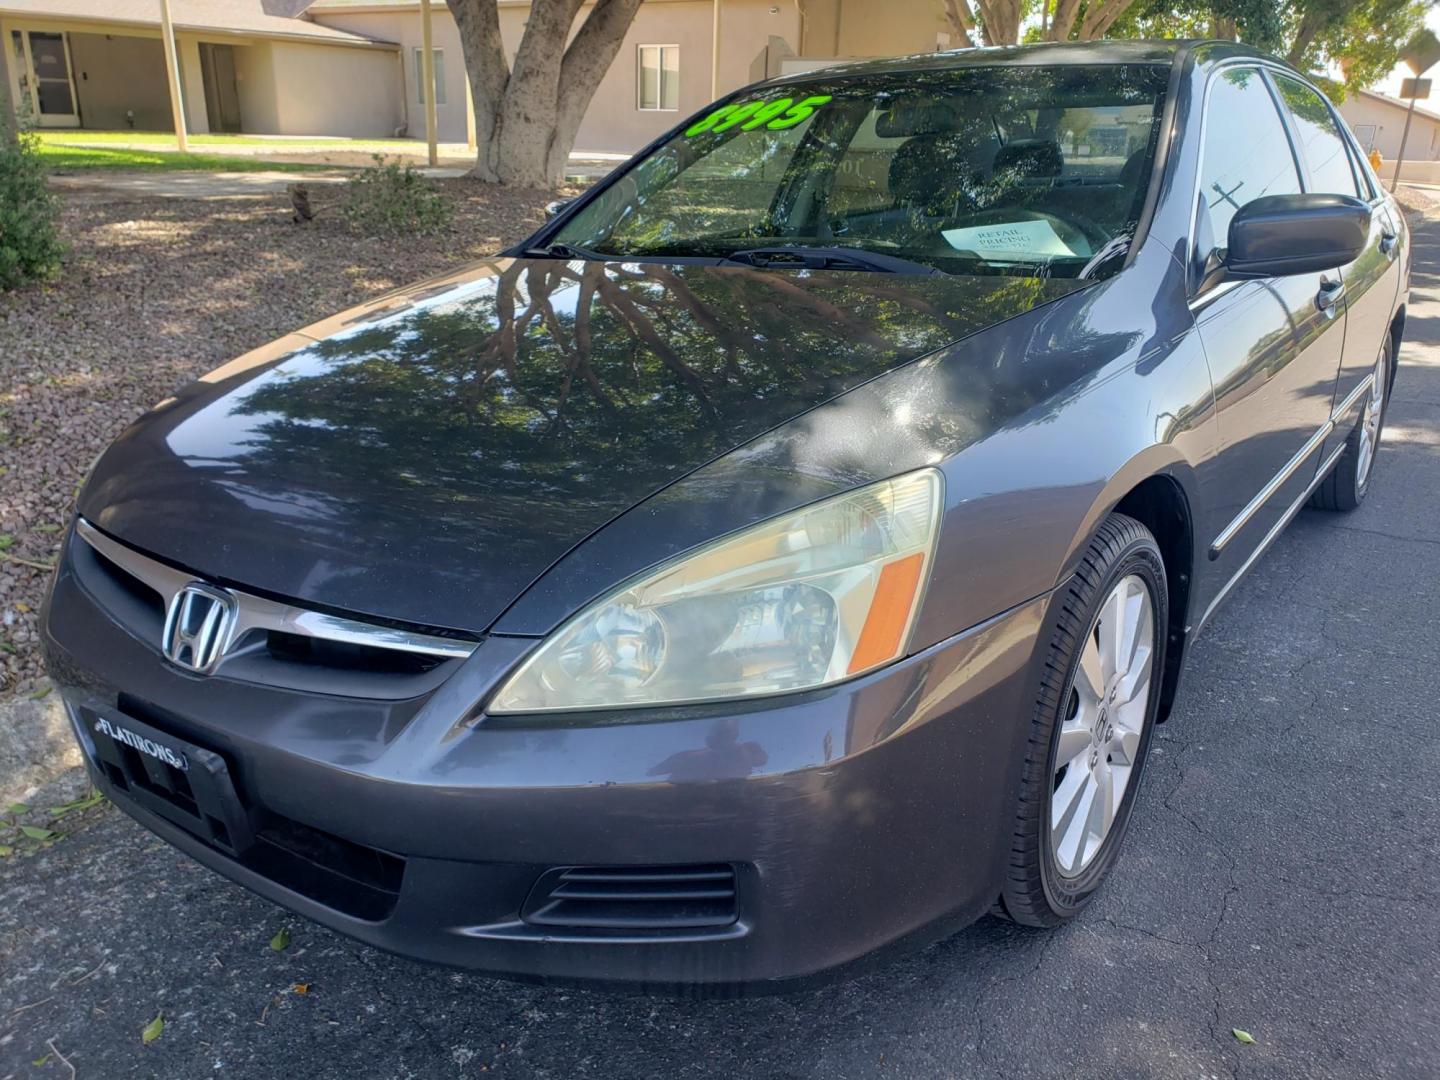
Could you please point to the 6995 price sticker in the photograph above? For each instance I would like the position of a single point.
(773, 115)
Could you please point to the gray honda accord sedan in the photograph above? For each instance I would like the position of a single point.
(785, 553)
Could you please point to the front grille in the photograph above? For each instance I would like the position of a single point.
(275, 643)
(346, 656)
(634, 898)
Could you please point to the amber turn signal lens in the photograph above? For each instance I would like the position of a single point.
(889, 612)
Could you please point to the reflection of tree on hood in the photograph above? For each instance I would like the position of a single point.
(560, 366)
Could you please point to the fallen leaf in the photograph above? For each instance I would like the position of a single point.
(6, 851)
(40, 1061)
(281, 941)
(153, 1029)
(6, 541)
(21, 606)
(1242, 1036)
(16, 808)
(34, 832)
(47, 529)
(93, 799)
(300, 988)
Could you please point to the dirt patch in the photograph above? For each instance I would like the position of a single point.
(156, 292)
(1418, 202)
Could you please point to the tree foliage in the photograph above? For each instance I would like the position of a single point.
(527, 114)
(1360, 37)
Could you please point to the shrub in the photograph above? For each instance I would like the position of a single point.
(30, 245)
(392, 197)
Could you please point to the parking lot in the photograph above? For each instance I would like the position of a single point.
(1279, 878)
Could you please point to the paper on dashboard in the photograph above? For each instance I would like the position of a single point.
(1017, 240)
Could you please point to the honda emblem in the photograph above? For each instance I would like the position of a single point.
(197, 627)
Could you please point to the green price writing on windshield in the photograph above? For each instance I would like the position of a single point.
(774, 115)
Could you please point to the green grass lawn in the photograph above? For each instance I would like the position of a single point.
(74, 137)
(60, 157)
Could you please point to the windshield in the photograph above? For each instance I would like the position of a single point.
(1002, 170)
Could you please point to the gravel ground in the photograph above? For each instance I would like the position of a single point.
(156, 292)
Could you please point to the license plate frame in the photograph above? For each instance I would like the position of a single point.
(170, 777)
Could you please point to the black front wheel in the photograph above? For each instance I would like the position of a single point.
(1090, 731)
(1349, 480)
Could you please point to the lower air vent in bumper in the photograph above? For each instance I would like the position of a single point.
(632, 898)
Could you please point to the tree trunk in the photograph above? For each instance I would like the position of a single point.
(8, 123)
(961, 21)
(1099, 17)
(1002, 21)
(526, 119)
(1224, 28)
(1310, 25)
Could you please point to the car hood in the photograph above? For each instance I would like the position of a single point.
(424, 457)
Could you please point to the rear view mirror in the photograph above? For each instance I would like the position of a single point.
(1296, 234)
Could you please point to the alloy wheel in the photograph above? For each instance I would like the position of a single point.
(1099, 741)
(1370, 424)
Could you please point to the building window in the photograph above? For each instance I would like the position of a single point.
(659, 78)
(439, 55)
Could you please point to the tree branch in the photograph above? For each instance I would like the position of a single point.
(962, 22)
(1063, 19)
(1100, 16)
(585, 63)
(1310, 26)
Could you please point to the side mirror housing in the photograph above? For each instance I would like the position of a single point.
(556, 208)
(1296, 234)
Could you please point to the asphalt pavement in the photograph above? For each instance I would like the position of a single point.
(1279, 878)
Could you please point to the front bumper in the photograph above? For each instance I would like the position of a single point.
(854, 818)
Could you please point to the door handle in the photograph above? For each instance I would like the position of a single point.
(1387, 243)
(1329, 295)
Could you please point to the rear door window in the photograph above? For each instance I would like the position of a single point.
(1320, 140)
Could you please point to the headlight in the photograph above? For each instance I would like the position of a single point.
(801, 601)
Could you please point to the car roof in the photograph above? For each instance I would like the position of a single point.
(1046, 54)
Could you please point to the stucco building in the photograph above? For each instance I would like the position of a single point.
(1378, 122)
(352, 67)
(99, 64)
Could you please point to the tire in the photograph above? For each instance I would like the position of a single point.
(1049, 881)
(1349, 479)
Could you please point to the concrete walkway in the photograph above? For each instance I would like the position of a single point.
(119, 185)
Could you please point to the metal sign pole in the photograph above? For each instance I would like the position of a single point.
(172, 74)
(1420, 54)
(1404, 137)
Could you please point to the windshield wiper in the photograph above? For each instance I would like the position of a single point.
(828, 258)
(564, 251)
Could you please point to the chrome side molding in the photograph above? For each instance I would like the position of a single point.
(1276, 482)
